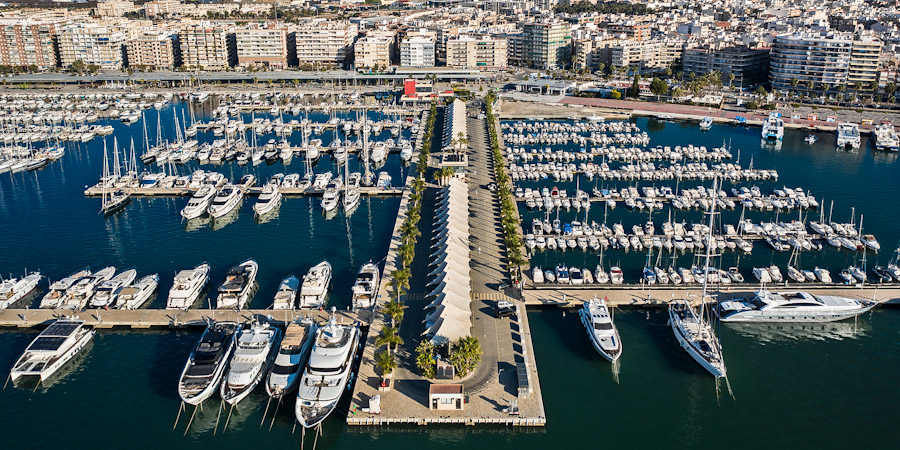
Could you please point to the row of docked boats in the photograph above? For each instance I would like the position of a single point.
(648, 171)
(104, 289)
(233, 359)
(610, 153)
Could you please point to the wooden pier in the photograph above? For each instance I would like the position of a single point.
(97, 191)
(163, 318)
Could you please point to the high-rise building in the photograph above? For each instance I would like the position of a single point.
(750, 66)
(92, 43)
(376, 49)
(204, 47)
(325, 42)
(546, 45)
(417, 50)
(483, 53)
(817, 62)
(154, 48)
(261, 46)
(26, 42)
(646, 55)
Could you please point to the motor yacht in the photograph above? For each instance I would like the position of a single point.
(848, 135)
(187, 286)
(365, 289)
(107, 291)
(316, 282)
(292, 354)
(286, 296)
(205, 367)
(57, 289)
(14, 289)
(327, 373)
(602, 332)
(52, 349)
(773, 127)
(269, 200)
(80, 293)
(330, 199)
(706, 123)
(225, 201)
(255, 349)
(199, 203)
(238, 287)
(796, 306)
(136, 295)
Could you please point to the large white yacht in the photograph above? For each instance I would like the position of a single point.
(203, 371)
(51, 349)
(315, 286)
(696, 337)
(597, 321)
(330, 199)
(187, 287)
(14, 289)
(773, 127)
(288, 365)
(269, 200)
(286, 296)
(226, 200)
(237, 289)
(886, 138)
(327, 372)
(199, 203)
(136, 295)
(107, 291)
(254, 352)
(797, 306)
(365, 289)
(58, 289)
(848, 135)
(80, 293)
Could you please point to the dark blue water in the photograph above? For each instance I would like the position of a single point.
(803, 387)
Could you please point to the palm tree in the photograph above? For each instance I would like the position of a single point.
(461, 141)
(389, 337)
(386, 362)
(425, 359)
(400, 282)
(465, 355)
(395, 310)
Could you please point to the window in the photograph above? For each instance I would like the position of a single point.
(446, 401)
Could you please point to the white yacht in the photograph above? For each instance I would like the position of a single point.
(203, 371)
(187, 286)
(134, 296)
(886, 138)
(597, 321)
(327, 373)
(773, 127)
(365, 289)
(848, 135)
(316, 282)
(14, 289)
(254, 351)
(351, 195)
(199, 203)
(269, 200)
(226, 200)
(52, 349)
(288, 365)
(695, 335)
(797, 306)
(106, 293)
(286, 296)
(58, 289)
(706, 123)
(237, 289)
(330, 199)
(80, 293)
(384, 180)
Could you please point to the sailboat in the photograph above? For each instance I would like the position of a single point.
(692, 330)
(113, 199)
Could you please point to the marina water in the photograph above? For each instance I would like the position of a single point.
(803, 386)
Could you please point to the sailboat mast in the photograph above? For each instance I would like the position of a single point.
(709, 245)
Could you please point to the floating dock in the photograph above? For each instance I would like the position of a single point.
(97, 191)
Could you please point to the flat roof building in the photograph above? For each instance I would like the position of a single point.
(92, 43)
(25, 42)
(822, 62)
(545, 45)
(376, 49)
(204, 46)
(417, 50)
(325, 42)
(261, 47)
(483, 53)
(154, 48)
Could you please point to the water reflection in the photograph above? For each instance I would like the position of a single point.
(785, 332)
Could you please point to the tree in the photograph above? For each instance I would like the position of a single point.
(399, 282)
(890, 89)
(635, 86)
(389, 337)
(425, 359)
(395, 310)
(659, 87)
(760, 92)
(465, 355)
(730, 79)
(385, 361)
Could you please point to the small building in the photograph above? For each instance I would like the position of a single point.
(546, 87)
(446, 397)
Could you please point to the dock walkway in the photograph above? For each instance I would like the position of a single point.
(97, 191)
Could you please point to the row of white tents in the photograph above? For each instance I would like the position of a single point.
(449, 315)
(454, 125)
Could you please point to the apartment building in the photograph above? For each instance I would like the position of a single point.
(630, 30)
(590, 53)
(482, 53)
(25, 42)
(750, 66)
(513, 47)
(154, 48)
(821, 62)
(376, 49)
(162, 8)
(114, 8)
(92, 43)
(417, 50)
(325, 42)
(646, 55)
(204, 46)
(261, 47)
(546, 45)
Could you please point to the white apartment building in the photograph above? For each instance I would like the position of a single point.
(483, 53)
(417, 50)
(324, 42)
(92, 43)
(266, 47)
(204, 46)
(25, 42)
(377, 48)
(114, 8)
(153, 48)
